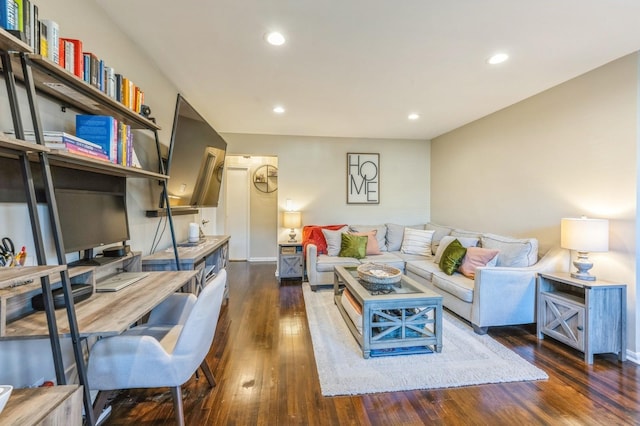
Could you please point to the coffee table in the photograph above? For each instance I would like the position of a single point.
(406, 318)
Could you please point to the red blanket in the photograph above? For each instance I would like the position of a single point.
(313, 234)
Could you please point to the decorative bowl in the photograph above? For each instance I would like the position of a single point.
(379, 274)
(5, 393)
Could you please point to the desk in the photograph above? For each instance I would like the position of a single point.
(108, 313)
(57, 405)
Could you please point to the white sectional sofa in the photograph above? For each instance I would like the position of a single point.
(502, 292)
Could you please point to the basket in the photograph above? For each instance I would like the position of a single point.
(382, 275)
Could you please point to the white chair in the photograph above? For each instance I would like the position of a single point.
(164, 352)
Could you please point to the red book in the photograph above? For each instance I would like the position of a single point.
(78, 61)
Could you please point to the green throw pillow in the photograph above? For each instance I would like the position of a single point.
(353, 246)
(452, 257)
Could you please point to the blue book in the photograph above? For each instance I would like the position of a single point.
(99, 129)
(8, 15)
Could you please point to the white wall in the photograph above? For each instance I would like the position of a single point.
(312, 173)
(565, 152)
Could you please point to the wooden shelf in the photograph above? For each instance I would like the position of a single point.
(73, 161)
(10, 145)
(66, 87)
(14, 277)
(9, 43)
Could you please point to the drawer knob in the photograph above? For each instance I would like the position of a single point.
(580, 328)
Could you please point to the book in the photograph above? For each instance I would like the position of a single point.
(43, 49)
(35, 29)
(26, 19)
(8, 18)
(78, 59)
(99, 129)
(53, 30)
(69, 55)
(19, 9)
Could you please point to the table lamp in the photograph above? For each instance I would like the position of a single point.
(292, 220)
(584, 235)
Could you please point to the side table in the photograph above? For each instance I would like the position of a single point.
(290, 261)
(587, 315)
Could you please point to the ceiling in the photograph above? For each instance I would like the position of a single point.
(357, 68)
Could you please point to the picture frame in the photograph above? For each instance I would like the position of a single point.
(363, 178)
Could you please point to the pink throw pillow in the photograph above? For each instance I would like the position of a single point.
(372, 242)
(475, 258)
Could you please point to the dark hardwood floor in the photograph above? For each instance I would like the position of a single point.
(264, 365)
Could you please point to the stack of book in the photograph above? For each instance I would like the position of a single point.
(113, 137)
(68, 142)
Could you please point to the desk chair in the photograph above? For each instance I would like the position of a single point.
(163, 352)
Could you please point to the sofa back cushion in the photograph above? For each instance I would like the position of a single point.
(395, 234)
(417, 241)
(381, 233)
(440, 232)
(514, 252)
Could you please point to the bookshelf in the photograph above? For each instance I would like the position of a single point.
(41, 76)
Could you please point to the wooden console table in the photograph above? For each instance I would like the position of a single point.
(210, 255)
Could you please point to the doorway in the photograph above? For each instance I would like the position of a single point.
(251, 207)
(237, 218)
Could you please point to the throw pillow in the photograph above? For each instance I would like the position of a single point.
(353, 246)
(513, 252)
(452, 257)
(441, 232)
(333, 239)
(372, 242)
(312, 234)
(475, 258)
(445, 241)
(417, 241)
(381, 233)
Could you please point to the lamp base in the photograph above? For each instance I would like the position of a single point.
(583, 264)
(292, 237)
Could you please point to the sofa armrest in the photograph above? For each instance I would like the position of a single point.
(506, 295)
(311, 262)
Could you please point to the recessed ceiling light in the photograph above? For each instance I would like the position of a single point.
(278, 110)
(498, 58)
(413, 116)
(275, 38)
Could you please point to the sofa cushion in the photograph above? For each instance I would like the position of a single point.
(386, 258)
(456, 284)
(465, 241)
(334, 240)
(452, 257)
(416, 241)
(353, 246)
(395, 234)
(475, 258)
(513, 252)
(465, 233)
(381, 233)
(440, 232)
(312, 234)
(327, 263)
(410, 257)
(372, 242)
(422, 268)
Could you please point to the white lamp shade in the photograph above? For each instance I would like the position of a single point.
(292, 220)
(584, 234)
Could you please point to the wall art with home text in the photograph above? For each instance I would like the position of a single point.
(363, 178)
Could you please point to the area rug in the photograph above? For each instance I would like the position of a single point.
(466, 358)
